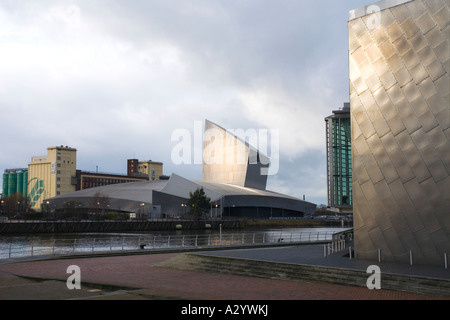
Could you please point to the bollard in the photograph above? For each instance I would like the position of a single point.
(324, 250)
(410, 258)
(350, 252)
(445, 260)
(379, 255)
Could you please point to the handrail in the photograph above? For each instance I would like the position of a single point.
(138, 242)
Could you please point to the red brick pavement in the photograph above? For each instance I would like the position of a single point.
(141, 272)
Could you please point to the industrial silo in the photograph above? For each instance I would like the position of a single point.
(25, 183)
(5, 192)
(12, 183)
(19, 181)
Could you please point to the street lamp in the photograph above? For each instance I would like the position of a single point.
(143, 209)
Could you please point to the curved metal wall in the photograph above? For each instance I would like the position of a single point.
(400, 118)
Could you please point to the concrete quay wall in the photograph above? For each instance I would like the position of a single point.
(22, 227)
(310, 273)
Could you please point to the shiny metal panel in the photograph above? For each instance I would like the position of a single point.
(228, 159)
(400, 111)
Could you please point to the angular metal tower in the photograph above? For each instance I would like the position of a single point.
(229, 159)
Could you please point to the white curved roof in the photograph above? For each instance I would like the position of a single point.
(129, 196)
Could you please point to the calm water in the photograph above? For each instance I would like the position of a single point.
(38, 244)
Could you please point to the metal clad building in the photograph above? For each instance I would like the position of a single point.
(228, 159)
(400, 119)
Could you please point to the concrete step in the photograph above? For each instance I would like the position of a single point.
(286, 271)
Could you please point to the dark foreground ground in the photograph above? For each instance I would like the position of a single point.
(142, 277)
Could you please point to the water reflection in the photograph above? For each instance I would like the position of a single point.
(46, 244)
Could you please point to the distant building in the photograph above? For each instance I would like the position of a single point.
(136, 171)
(55, 174)
(150, 169)
(51, 175)
(339, 159)
(88, 179)
(232, 179)
(15, 181)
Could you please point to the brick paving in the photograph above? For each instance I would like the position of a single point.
(137, 277)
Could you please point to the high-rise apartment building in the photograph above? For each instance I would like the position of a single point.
(339, 160)
(400, 122)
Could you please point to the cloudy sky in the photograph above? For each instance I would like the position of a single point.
(115, 79)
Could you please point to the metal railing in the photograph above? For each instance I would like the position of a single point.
(10, 250)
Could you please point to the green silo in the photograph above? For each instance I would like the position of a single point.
(5, 184)
(25, 183)
(19, 182)
(12, 183)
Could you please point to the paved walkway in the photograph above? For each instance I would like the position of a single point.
(133, 277)
(314, 255)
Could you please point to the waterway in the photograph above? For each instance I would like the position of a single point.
(39, 244)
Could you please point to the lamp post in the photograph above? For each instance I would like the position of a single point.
(143, 210)
(183, 208)
(48, 208)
